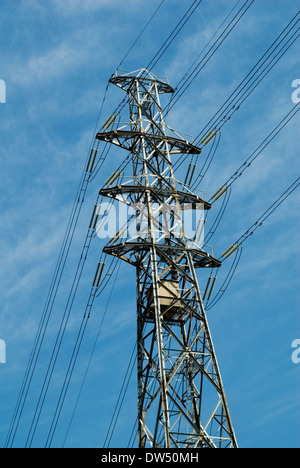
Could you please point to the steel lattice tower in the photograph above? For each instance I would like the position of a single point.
(181, 399)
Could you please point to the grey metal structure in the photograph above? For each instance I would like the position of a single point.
(181, 399)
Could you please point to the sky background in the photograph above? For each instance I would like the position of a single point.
(56, 59)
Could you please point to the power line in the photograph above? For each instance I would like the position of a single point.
(62, 329)
(208, 161)
(141, 33)
(192, 73)
(59, 269)
(190, 11)
(92, 353)
(268, 212)
(237, 247)
(266, 63)
(97, 289)
(74, 357)
(188, 72)
(225, 285)
(225, 189)
(247, 86)
(120, 400)
(219, 216)
(95, 292)
(254, 155)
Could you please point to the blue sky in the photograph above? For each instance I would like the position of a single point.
(56, 59)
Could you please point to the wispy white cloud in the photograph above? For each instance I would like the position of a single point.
(78, 7)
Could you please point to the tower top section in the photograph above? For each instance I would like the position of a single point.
(124, 80)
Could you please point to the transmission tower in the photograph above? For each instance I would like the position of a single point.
(181, 399)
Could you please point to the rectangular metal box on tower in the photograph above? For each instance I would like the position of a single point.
(169, 295)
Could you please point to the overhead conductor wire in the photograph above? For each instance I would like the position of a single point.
(59, 269)
(90, 359)
(266, 63)
(75, 352)
(238, 245)
(258, 72)
(192, 73)
(226, 187)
